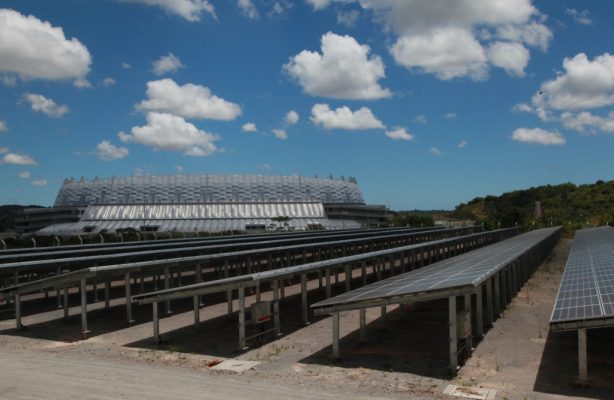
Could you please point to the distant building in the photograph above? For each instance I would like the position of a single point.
(537, 212)
(191, 203)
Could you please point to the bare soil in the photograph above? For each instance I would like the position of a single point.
(405, 355)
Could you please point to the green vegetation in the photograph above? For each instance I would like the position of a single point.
(566, 204)
(413, 218)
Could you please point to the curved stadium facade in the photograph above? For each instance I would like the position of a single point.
(208, 202)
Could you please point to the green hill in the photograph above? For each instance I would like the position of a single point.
(566, 204)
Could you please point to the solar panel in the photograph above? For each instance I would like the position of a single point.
(587, 287)
(469, 269)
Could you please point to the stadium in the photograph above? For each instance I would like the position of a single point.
(203, 203)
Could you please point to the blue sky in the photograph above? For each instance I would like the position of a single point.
(428, 104)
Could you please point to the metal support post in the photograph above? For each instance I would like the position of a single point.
(167, 285)
(304, 299)
(348, 277)
(336, 335)
(18, 311)
(84, 329)
(497, 295)
(242, 343)
(582, 357)
(196, 310)
(156, 322)
(489, 308)
(276, 307)
(128, 299)
(452, 334)
(363, 272)
(363, 325)
(65, 302)
(328, 292)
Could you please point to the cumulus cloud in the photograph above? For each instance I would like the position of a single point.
(165, 64)
(435, 151)
(462, 144)
(42, 104)
(280, 133)
(450, 115)
(3, 126)
(248, 8)
(399, 133)
(584, 84)
(24, 174)
(512, 57)
(582, 17)
(190, 10)
(291, 118)
(421, 119)
(108, 82)
(169, 132)
(179, 168)
(39, 182)
(586, 122)
(249, 127)
(34, 49)
(82, 83)
(344, 118)
(18, 159)
(449, 38)
(539, 136)
(343, 70)
(348, 18)
(125, 65)
(189, 101)
(108, 151)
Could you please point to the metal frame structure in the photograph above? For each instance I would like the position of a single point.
(381, 261)
(585, 299)
(227, 264)
(493, 273)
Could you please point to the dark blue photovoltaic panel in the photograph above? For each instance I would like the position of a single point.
(469, 269)
(587, 287)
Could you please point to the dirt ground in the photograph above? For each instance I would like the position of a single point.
(405, 355)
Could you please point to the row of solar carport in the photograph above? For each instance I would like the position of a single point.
(586, 296)
(207, 267)
(488, 277)
(39, 265)
(390, 261)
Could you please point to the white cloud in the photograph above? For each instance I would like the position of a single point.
(82, 83)
(179, 168)
(399, 133)
(584, 84)
(435, 151)
(108, 81)
(348, 18)
(166, 64)
(108, 151)
(125, 65)
(39, 182)
(265, 167)
(189, 101)
(3, 126)
(34, 49)
(344, 118)
(512, 57)
(190, 10)
(447, 53)
(248, 9)
(450, 115)
(522, 107)
(280, 133)
(249, 127)
(539, 136)
(585, 122)
(40, 103)
(18, 159)
(343, 70)
(421, 119)
(462, 144)
(448, 38)
(582, 17)
(292, 117)
(24, 174)
(169, 132)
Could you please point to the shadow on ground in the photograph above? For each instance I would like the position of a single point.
(558, 369)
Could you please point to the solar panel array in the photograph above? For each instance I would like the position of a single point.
(587, 287)
(469, 269)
